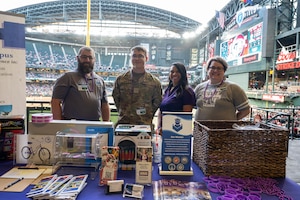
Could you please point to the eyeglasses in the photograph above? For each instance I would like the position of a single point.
(86, 57)
(216, 68)
(138, 56)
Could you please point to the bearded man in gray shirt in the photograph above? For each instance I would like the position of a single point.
(81, 94)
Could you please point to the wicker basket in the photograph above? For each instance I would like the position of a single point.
(219, 149)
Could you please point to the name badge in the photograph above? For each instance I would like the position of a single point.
(141, 111)
(82, 87)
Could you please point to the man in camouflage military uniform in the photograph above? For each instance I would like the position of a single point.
(137, 93)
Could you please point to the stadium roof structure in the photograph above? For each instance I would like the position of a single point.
(74, 11)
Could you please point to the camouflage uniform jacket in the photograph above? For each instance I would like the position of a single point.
(137, 101)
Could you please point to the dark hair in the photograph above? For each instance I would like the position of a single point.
(183, 82)
(218, 59)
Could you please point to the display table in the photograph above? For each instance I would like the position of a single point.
(93, 191)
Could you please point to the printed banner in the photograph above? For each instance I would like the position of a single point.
(12, 64)
(176, 143)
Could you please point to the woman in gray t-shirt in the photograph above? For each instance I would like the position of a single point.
(218, 99)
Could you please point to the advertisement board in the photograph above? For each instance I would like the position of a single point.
(176, 143)
(12, 64)
(249, 38)
(244, 47)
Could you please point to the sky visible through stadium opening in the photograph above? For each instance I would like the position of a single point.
(197, 10)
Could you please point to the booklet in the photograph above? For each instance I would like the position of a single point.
(57, 183)
(75, 185)
(175, 189)
(41, 186)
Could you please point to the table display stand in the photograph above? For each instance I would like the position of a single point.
(176, 146)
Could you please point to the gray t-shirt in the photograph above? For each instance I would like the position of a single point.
(82, 97)
(219, 102)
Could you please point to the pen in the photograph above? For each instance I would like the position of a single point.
(13, 183)
(28, 168)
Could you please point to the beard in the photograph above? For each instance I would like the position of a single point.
(85, 68)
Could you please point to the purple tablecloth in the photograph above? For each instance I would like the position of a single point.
(94, 191)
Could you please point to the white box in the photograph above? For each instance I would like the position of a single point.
(127, 138)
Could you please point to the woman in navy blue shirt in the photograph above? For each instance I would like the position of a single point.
(178, 96)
